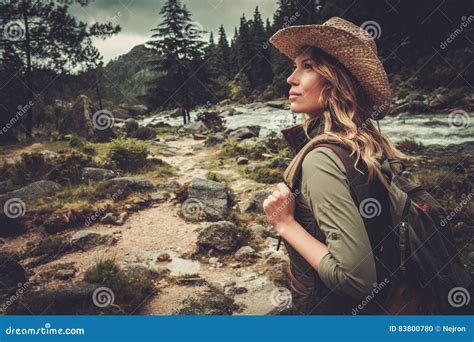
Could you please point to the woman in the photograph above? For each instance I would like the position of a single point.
(336, 245)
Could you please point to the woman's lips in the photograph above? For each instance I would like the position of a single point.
(293, 96)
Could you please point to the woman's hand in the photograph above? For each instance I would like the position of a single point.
(280, 207)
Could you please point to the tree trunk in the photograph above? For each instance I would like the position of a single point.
(29, 79)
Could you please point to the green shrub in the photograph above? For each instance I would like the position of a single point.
(267, 176)
(128, 154)
(212, 120)
(65, 169)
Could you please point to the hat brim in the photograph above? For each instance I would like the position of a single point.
(349, 50)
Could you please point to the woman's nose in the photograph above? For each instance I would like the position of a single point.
(292, 79)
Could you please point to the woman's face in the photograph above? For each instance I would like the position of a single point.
(306, 86)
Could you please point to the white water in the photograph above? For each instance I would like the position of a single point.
(411, 127)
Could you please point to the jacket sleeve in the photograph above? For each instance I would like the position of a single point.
(349, 267)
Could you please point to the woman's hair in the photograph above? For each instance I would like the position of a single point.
(347, 115)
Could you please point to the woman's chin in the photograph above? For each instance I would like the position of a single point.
(295, 109)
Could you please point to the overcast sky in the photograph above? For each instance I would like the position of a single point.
(137, 17)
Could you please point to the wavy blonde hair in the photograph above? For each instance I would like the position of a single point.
(347, 115)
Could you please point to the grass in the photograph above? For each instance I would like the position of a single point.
(410, 145)
(128, 290)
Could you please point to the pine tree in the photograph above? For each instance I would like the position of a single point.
(179, 54)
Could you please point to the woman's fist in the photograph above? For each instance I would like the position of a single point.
(280, 207)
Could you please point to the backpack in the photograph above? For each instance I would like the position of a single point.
(430, 278)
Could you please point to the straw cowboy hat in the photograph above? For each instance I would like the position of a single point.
(349, 44)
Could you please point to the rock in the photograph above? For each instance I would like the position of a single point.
(31, 192)
(117, 220)
(172, 186)
(255, 105)
(209, 303)
(178, 112)
(210, 198)
(439, 100)
(215, 139)
(414, 97)
(222, 236)
(197, 136)
(261, 231)
(242, 133)
(197, 127)
(130, 184)
(228, 112)
(143, 133)
(160, 196)
(88, 122)
(87, 239)
(143, 271)
(56, 301)
(11, 273)
(213, 260)
(255, 201)
(276, 104)
(411, 107)
(163, 257)
(131, 125)
(134, 110)
(245, 253)
(140, 202)
(57, 222)
(97, 174)
(191, 281)
(242, 161)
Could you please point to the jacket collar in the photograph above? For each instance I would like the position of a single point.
(295, 135)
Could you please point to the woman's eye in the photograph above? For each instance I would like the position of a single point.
(307, 65)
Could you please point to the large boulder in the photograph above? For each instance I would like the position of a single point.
(87, 239)
(215, 139)
(242, 133)
(194, 127)
(87, 121)
(135, 110)
(31, 192)
(130, 184)
(222, 236)
(210, 199)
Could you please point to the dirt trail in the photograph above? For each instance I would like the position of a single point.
(158, 229)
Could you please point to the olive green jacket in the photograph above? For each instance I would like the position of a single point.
(326, 206)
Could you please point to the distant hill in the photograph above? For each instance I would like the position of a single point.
(126, 77)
